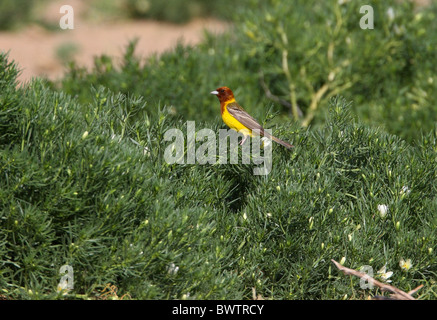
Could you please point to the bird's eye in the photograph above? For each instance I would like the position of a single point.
(222, 90)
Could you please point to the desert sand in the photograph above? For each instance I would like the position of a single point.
(37, 50)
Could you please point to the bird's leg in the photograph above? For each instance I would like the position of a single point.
(243, 140)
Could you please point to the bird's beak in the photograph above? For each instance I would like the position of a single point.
(215, 92)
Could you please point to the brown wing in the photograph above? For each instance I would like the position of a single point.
(246, 119)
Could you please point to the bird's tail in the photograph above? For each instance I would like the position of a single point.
(285, 144)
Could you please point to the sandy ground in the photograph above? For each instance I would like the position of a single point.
(37, 50)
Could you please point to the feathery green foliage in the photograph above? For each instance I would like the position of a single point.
(84, 182)
(297, 56)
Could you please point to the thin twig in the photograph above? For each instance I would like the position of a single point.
(411, 292)
(255, 296)
(314, 104)
(287, 73)
(275, 98)
(396, 293)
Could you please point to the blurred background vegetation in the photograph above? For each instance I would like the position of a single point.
(16, 13)
(85, 182)
(294, 57)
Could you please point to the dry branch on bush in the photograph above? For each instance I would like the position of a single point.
(396, 294)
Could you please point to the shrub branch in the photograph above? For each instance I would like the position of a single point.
(397, 294)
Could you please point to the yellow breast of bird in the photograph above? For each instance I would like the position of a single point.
(233, 123)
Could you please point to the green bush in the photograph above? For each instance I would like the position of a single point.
(84, 181)
(76, 190)
(182, 11)
(176, 79)
(86, 184)
(14, 12)
(295, 57)
(386, 71)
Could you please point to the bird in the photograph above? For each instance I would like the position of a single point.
(238, 119)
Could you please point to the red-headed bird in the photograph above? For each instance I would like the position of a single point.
(238, 119)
